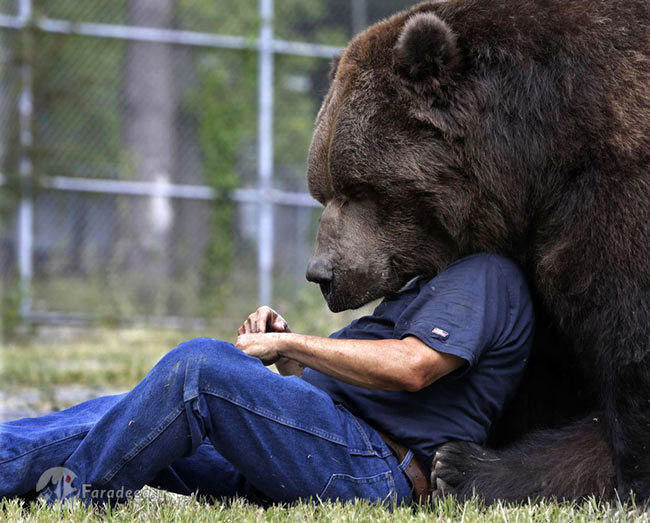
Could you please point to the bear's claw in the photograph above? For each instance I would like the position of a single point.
(454, 467)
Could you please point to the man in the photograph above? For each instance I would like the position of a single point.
(438, 361)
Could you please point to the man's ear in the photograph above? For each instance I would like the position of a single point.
(426, 54)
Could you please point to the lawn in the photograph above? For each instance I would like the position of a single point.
(165, 507)
(60, 368)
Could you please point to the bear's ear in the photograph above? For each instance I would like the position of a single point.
(426, 53)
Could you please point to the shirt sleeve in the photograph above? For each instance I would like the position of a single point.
(463, 311)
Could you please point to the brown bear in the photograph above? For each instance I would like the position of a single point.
(520, 127)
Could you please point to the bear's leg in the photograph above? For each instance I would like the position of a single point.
(569, 463)
(627, 415)
(615, 323)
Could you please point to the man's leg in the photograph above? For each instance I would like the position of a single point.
(285, 436)
(30, 446)
(206, 473)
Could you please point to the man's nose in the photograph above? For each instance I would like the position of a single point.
(319, 270)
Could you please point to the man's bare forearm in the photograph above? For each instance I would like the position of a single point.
(374, 364)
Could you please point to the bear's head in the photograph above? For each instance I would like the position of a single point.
(458, 127)
(388, 137)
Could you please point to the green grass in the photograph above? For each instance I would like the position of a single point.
(117, 359)
(157, 506)
(106, 357)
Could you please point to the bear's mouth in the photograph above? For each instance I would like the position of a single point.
(336, 302)
(326, 289)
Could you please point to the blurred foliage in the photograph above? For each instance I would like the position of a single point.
(107, 11)
(314, 21)
(15, 52)
(238, 17)
(77, 106)
(10, 319)
(12, 49)
(225, 92)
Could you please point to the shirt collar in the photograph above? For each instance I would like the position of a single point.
(409, 284)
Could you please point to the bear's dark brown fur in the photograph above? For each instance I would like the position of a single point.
(520, 127)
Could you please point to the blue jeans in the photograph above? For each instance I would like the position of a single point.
(208, 419)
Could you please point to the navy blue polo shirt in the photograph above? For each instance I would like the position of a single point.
(478, 309)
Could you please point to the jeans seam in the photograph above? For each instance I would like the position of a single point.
(392, 492)
(375, 478)
(269, 415)
(48, 444)
(364, 436)
(324, 489)
(144, 443)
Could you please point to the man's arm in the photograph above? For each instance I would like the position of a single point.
(406, 364)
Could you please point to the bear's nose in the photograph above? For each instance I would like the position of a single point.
(319, 270)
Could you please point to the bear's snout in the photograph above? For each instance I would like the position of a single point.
(319, 270)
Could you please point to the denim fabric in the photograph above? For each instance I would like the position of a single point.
(209, 419)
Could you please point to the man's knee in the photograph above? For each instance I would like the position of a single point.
(204, 362)
(200, 349)
(196, 353)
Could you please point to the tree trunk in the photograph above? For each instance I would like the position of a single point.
(149, 131)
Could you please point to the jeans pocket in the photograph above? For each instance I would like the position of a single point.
(377, 488)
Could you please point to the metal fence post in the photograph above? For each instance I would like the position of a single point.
(25, 243)
(359, 15)
(265, 154)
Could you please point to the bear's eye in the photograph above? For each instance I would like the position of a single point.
(359, 192)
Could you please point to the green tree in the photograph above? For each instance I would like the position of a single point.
(225, 95)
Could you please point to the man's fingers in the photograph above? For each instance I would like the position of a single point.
(262, 318)
(279, 325)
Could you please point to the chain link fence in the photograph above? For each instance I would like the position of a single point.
(153, 152)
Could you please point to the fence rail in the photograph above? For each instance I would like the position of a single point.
(168, 36)
(171, 190)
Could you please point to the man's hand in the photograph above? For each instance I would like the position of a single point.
(260, 345)
(264, 319)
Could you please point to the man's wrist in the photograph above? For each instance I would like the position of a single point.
(286, 343)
